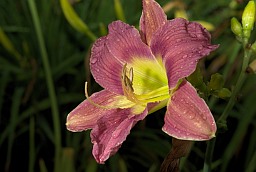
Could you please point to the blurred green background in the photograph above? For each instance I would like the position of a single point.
(44, 63)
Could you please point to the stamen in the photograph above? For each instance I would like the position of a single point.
(101, 106)
(127, 83)
(92, 102)
(131, 75)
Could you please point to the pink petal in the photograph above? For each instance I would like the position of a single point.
(125, 44)
(86, 115)
(188, 117)
(181, 44)
(105, 68)
(111, 131)
(152, 18)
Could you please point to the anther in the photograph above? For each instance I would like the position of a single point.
(131, 74)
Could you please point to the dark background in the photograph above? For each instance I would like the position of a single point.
(29, 127)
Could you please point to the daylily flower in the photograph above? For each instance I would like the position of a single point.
(142, 72)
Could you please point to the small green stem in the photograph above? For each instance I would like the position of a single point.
(251, 166)
(231, 103)
(49, 81)
(31, 144)
(208, 155)
(238, 86)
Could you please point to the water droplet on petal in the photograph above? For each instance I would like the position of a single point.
(115, 135)
(200, 47)
(199, 35)
(191, 63)
(109, 100)
(178, 40)
(187, 103)
(118, 144)
(94, 60)
(185, 56)
(191, 116)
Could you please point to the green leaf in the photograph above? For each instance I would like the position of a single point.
(42, 166)
(75, 21)
(67, 160)
(196, 78)
(216, 82)
(7, 44)
(224, 93)
(91, 165)
(119, 10)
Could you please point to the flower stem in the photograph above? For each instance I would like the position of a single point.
(208, 155)
(238, 86)
(251, 166)
(49, 81)
(231, 103)
(31, 144)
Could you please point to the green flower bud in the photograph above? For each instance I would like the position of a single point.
(248, 18)
(253, 47)
(236, 27)
(252, 67)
